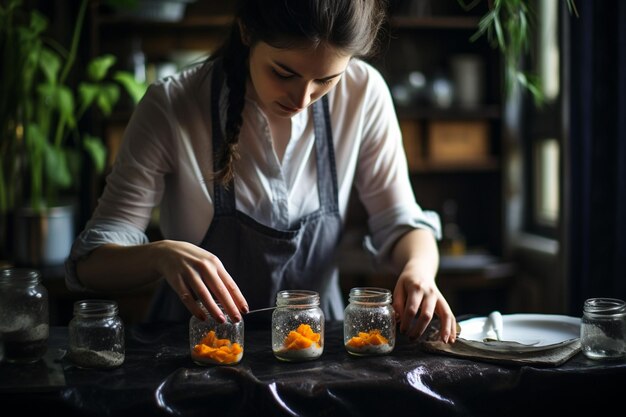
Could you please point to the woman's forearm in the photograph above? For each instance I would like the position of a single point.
(113, 267)
(419, 247)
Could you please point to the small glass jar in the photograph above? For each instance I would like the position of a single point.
(369, 326)
(297, 326)
(215, 343)
(24, 315)
(96, 335)
(603, 328)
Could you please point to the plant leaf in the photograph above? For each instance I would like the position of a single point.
(98, 67)
(135, 89)
(96, 150)
(56, 168)
(38, 24)
(65, 104)
(108, 95)
(50, 64)
(87, 93)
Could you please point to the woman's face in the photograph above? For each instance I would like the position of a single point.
(287, 81)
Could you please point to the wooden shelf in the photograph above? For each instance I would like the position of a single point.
(191, 22)
(443, 22)
(491, 164)
(454, 113)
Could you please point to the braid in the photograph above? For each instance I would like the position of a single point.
(235, 55)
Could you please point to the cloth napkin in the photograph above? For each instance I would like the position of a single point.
(552, 356)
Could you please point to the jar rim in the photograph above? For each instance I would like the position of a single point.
(96, 307)
(19, 275)
(297, 298)
(605, 305)
(369, 295)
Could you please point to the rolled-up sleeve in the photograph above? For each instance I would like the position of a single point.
(383, 179)
(96, 234)
(388, 226)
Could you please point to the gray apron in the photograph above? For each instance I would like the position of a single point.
(263, 260)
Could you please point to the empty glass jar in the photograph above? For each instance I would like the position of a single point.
(24, 317)
(96, 335)
(215, 343)
(297, 326)
(369, 326)
(603, 328)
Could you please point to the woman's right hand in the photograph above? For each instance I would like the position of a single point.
(194, 273)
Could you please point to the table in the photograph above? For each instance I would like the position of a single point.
(159, 378)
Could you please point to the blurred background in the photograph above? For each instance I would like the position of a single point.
(519, 146)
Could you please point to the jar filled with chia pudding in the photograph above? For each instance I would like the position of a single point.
(24, 316)
(96, 335)
(369, 326)
(297, 326)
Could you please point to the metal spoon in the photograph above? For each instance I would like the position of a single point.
(258, 310)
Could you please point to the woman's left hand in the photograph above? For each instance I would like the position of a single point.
(416, 294)
(417, 258)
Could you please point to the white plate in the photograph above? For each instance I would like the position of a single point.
(531, 331)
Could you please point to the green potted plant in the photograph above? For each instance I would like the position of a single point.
(42, 144)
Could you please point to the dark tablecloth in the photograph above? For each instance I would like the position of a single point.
(159, 378)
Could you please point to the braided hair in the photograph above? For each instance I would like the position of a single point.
(352, 26)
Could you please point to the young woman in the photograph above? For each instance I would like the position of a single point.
(251, 157)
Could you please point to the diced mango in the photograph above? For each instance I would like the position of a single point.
(302, 338)
(218, 350)
(373, 337)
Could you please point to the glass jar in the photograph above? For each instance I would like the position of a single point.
(96, 335)
(603, 328)
(215, 343)
(297, 326)
(24, 316)
(369, 326)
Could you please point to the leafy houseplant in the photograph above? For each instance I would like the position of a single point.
(40, 109)
(508, 27)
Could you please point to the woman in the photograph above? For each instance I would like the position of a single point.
(252, 157)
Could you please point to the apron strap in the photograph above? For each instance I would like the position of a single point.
(326, 184)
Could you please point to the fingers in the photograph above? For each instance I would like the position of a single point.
(426, 313)
(447, 322)
(186, 296)
(413, 304)
(416, 307)
(196, 274)
(223, 287)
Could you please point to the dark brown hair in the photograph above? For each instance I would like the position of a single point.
(352, 26)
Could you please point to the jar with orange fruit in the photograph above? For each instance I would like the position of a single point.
(297, 326)
(214, 343)
(369, 326)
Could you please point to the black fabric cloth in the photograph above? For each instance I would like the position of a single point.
(158, 377)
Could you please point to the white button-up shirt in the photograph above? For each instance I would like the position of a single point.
(166, 160)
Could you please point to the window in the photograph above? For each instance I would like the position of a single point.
(543, 127)
(547, 186)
